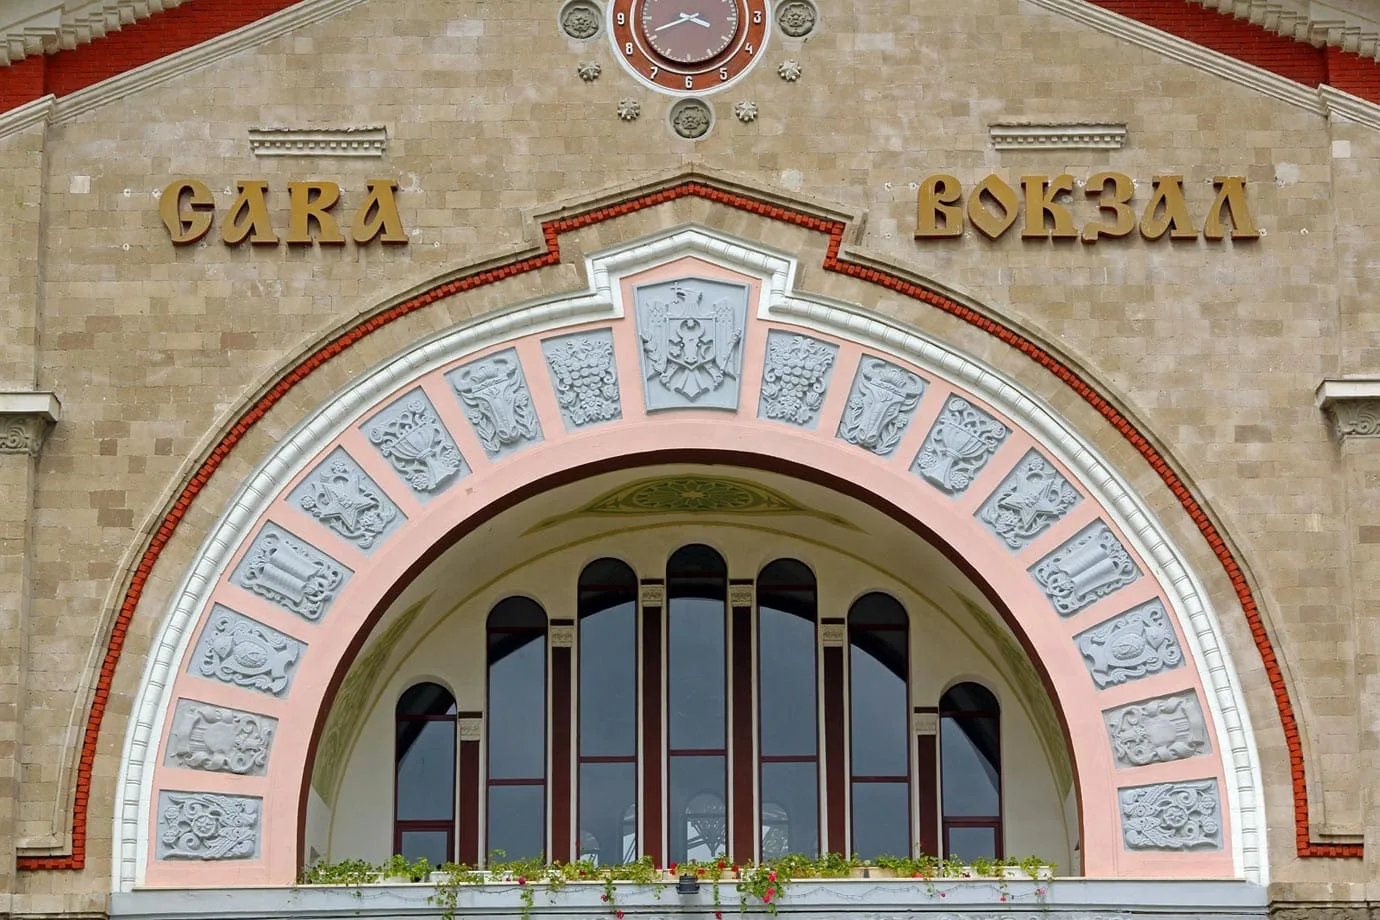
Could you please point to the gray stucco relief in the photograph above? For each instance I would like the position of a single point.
(343, 498)
(880, 405)
(493, 392)
(219, 739)
(1130, 645)
(959, 444)
(1171, 816)
(1085, 569)
(1158, 731)
(1031, 498)
(691, 331)
(242, 652)
(584, 375)
(203, 825)
(412, 438)
(290, 573)
(795, 378)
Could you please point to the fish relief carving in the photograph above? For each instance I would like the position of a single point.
(795, 378)
(346, 501)
(585, 379)
(1130, 646)
(1157, 731)
(1171, 816)
(290, 574)
(496, 402)
(690, 345)
(1028, 501)
(959, 445)
(199, 825)
(880, 407)
(1091, 566)
(418, 446)
(221, 740)
(241, 652)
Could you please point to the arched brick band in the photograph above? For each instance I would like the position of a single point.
(551, 231)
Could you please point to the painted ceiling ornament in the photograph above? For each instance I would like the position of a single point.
(344, 499)
(691, 118)
(1087, 568)
(789, 70)
(585, 378)
(797, 18)
(497, 403)
(1029, 500)
(1157, 731)
(690, 336)
(1171, 816)
(629, 109)
(745, 111)
(580, 20)
(221, 740)
(1130, 646)
(958, 446)
(200, 825)
(589, 71)
(291, 574)
(880, 407)
(418, 446)
(795, 378)
(240, 651)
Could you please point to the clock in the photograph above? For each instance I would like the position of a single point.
(688, 47)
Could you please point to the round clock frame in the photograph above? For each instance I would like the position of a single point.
(633, 24)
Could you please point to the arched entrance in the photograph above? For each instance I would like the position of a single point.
(690, 347)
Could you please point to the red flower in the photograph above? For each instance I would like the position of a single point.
(521, 880)
(735, 870)
(672, 867)
(699, 872)
(771, 876)
(618, 914)
(1003, 897)
(718, 915)
(941, 894)
(603, 897)
(766, 898)
(721, 865)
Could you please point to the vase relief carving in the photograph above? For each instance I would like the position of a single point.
(958, 446)
(410, 436)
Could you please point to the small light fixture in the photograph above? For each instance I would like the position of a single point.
(688, 884)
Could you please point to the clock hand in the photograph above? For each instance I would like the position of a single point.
(684, 17)
(695, 18)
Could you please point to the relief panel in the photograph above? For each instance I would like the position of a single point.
(1027, 503)
(691, 332)
(958, 446)
(1157, 731)
(290, 573)
(219, 739)
(1171, 816)
(344, 499)
(1085, 569)
(411, 437)
(795, 378)
(1130, 646)
(202, 825)
(493, 392)
(585, 378)
(236, 650)
(880, 405)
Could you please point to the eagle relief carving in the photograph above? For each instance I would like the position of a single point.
(692, 333)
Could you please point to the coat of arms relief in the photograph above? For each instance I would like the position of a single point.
(692, 336)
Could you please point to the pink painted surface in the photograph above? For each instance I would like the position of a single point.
(639, 433)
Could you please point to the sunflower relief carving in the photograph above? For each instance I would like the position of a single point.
(1087, 568)
(1171, 816)
(344, 499)
(1031, 498)
(795, 378)
(584, 377)
(958, 446)
(412, 439)
(290, 573)
(691, 332)
(494, 395)
(880, 406)
(245, 653)
(201, 825)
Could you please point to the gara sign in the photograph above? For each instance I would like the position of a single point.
(188, 210)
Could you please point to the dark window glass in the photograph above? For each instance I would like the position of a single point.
(790, 809)
(516, 724)
(696, 612)
(879, 720)
(424, 773)
(970, 765)
(433, 846)
(970, 843)
(608, 712)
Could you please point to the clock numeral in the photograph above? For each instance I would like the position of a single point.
(689, 82)
(627, 49)
(623, 19)
(723, 73)
(756, 17)
(748, 47)
(655, 70)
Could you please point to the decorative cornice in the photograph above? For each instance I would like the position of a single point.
(1057, 136)
(1353, 108)
(62, 29)
(367, 141)
(25, 420)
(27, 115)
(1353, 406)
(1300, 22)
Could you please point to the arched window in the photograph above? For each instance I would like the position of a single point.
(879, 722)
(788, 733)
(970, 772)
(424, 774)
(607, 733)
(516, 723)
(696, 711)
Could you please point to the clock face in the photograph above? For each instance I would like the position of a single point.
(689, 31)
(688, 47)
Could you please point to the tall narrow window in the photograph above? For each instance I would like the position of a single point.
(970, 777)
(424, 774)
(607, 743)
(516, 722)
(697, 763)
(879, 723)
(787, 717)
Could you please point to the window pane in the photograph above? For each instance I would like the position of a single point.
(970, 843)
(881, 819)
(971, 777)
(517, 821)
(879, 710)
(786, 671)
(695, 673)
(608, 682)
(517, 706)
(608, 812)
(790, 809)
(426, 700)
(698, 825)
(426, 770)
(434, 845)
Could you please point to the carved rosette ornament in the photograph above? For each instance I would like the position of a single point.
(412, 439)
(344, 499)
(880, 406)
(789, 70)
(629, 109)
(959, 444)
(290, 573)
(1130, 646)
(1157, 731)
(745, 111)
(584, 377)
(691, 118)
(1087, 568)
(795, 378)
(1171, 816)
(1029, 500)
(200, 825)
(580, 20)
(494, 395)
(221, 740)
(245, 653)
(797, 18)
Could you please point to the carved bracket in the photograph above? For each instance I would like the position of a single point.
(1352, 405)
(25, 420)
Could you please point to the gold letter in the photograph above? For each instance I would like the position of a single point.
(249, 215)
(384, 215)
(939, 197)
(1003, 195)
(1169, 194)
(1039, 202)
(1231, 194)
(1119, 204)
(186, 226)
(304, 209)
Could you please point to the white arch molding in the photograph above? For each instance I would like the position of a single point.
(1186, 597)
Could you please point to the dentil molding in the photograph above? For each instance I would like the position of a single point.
(25, 420)
(1352, 405)
(33, 27)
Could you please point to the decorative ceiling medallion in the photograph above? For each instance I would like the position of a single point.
(692, 495)
(683, 47)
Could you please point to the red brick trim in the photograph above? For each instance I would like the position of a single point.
(551, 231)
